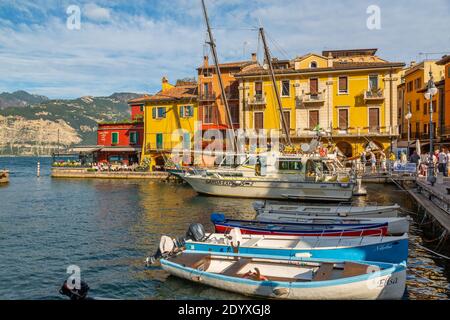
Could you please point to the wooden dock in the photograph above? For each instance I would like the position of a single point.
(80, 173)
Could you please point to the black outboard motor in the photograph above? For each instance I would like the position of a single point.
(75, 294)
(196, 232)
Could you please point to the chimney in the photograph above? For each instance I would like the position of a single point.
(254, 57)
(165, 83)
(205, 61)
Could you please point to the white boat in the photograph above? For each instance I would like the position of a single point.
(287, 278)
(278, 177)
(396, 226)
(342, 210)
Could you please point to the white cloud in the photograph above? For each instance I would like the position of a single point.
(96, 13)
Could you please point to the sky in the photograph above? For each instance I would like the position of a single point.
(128, 46)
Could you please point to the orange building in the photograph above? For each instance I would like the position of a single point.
(444, 92)
(212, 112)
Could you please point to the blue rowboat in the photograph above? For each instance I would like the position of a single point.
(382, 249)
(287, 278)
(224, 225)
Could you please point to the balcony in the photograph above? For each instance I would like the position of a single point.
(232, 96)
(366, 131)
(257, 100)
(207, 97)
(309, 99)
(374, 96)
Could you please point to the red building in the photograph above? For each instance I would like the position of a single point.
(120, 142)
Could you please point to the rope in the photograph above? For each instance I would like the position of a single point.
(431, 251)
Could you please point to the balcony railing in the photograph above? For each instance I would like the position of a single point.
(307, 99)
(366, 131)
(208, 96)
(258, 100)
(374, 95)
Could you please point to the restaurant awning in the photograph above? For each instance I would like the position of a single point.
(77, 150)
(120, 149)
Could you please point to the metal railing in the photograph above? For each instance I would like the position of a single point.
(374, 94)
(207, 96)
(257, 99)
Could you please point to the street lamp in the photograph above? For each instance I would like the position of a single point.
(432, 91)
(408, 118)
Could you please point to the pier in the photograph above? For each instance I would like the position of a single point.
(74, 173)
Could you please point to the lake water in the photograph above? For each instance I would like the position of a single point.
(108, 228)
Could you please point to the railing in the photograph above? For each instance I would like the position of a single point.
(391, 131)
(208, 96)
(257, 99)
(374, 95)
(309, 99)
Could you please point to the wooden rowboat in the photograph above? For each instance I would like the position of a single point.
(285, 278)
(4, 176)
(224, 225)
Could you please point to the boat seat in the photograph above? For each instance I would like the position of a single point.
(352, 269)
(234, 269)
(193, 260)
(251, 242)
(324, 272)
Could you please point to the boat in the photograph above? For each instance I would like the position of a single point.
(341, 210)
(396, 226)
(278, 176)
(383, 249)
(288, 278)
(4, 176)
(225, 225)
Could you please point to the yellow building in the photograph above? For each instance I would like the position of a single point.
(350, 94)
(169, 121)
(411, 99)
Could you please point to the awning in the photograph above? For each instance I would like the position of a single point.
(120, 149)
(78, 150)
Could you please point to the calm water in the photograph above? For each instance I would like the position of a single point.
(107, 228)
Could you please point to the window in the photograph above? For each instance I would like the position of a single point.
(409, 86)
(343, 84)
(343, 119)
(434, 106)
(425, 108)
(417, 105)
(159, 141)
(373, 82)
(313, 65)
(313, 119)
(418, 83)
(207, 90)
(425, 128)
(258, 88)
(285, 88)
(186, 111)
(374, 120)
(314, 86)
(259, 120)
(134, 137)
(141, 108)
(159, 112)
(186, 141)
(290, 165)
(209, 114)
(417, 129)
(234, 110)
(114, 138)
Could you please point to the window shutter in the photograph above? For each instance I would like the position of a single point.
(164, 112)
(342, 84)
(154, 113)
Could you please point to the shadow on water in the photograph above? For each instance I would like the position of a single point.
(108, 227)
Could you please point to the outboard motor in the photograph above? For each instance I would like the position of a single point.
(196, 232)
(75, 294)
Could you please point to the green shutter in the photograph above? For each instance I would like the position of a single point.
(115, 138)
(154, 113)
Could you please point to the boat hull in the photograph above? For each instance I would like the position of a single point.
(270, 189)
(384, 285)
(391, 251)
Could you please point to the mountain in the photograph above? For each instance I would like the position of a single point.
(19, 99)
(32, 128)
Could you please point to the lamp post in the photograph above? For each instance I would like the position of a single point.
(432, 91)
(408, 118)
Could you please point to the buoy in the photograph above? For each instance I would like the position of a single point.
(38, 169)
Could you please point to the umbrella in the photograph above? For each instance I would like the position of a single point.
(418, 147)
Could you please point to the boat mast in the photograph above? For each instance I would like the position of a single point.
(277, 93)
(212, 44)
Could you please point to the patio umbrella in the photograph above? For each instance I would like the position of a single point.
(419, 152)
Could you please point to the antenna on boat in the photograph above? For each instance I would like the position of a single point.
(219, 74)
(275, 87)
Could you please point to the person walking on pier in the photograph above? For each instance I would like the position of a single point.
(363, 161)
(383, 162)
(442, 157)
(373, 161)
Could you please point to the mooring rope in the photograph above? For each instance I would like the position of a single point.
(431, 251)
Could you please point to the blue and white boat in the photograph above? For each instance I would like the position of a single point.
(382, 249)
(288, 278)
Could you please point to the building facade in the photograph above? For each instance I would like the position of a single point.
(169, 121)
(349, 94)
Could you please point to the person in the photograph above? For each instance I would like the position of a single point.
(363, 161)
(403, 158)
(383, 161)
(442, 158)
(415, 158)
(373, 162)
(448, 161)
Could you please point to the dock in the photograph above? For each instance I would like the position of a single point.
(77, 173)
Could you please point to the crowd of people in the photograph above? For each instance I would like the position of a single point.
(379, 162)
